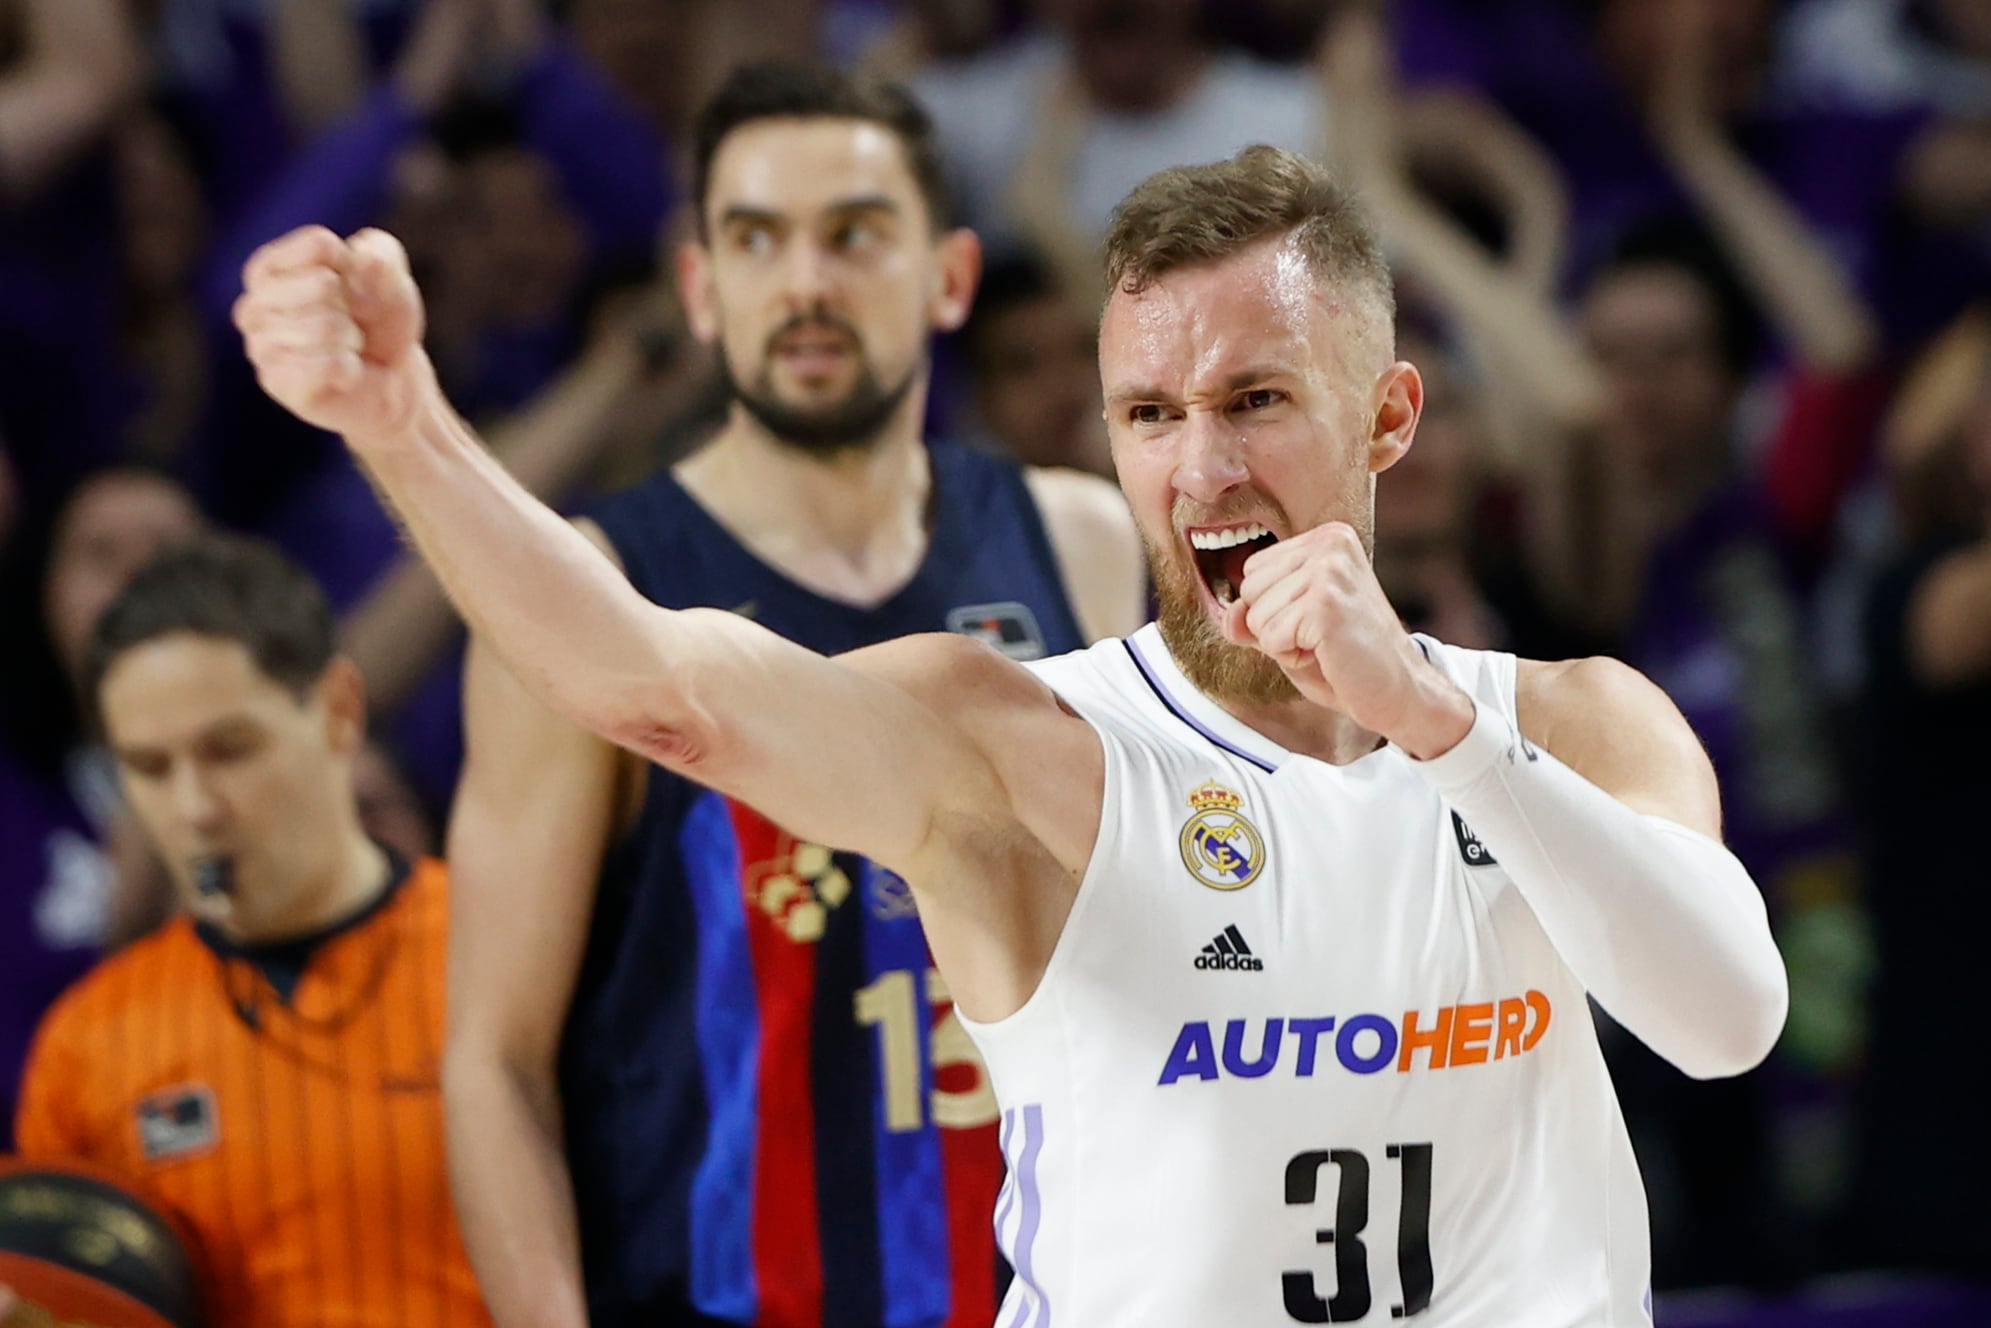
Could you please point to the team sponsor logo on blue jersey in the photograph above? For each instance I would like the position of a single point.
(891, 898)
(1009, 626)
(799, 888)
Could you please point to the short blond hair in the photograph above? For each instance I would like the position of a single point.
(1187, 216)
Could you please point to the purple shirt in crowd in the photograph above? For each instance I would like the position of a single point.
(1721, 631)
(63, 397)
(610, 165)
(55, 889)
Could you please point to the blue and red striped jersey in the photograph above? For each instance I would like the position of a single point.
(772, 1116)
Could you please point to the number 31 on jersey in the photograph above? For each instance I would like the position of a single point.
(1351, 1298)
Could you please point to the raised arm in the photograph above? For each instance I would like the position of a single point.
(404, 623)
(334, 330)
(1501, 308)
(318, 59)
(83, 65)
(1803, 290)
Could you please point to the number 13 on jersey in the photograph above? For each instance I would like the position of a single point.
(892, 1005)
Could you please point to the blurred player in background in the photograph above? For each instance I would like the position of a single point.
(699, 1065)
(267, 1064)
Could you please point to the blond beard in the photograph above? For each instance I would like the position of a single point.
(1220, 669)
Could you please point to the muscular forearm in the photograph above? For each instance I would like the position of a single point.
(514, 1197)
(1661, 924)
(565, 620)
(403, 625)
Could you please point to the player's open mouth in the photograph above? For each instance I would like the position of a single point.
(1221, 552)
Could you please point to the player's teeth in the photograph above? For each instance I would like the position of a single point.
(1224, 539)
(1222, 587)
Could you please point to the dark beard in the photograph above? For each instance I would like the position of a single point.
(1220, 670)
(848, 425)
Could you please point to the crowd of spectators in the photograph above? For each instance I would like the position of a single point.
(1699, 287)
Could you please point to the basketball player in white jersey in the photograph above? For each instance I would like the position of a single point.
(1274, 924)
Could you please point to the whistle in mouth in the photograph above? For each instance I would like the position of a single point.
(214, 877)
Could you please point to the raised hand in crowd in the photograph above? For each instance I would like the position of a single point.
(319, 62)
(1454, 138)
(1800, 286)
(1542, 395)
(436, 57)
(80, 64)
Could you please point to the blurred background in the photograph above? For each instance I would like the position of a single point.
(1699, 287)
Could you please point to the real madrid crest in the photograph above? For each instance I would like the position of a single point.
(1219, 847)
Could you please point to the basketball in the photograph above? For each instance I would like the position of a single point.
(76, 1242)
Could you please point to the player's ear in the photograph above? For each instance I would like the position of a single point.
(695, 290)
(1395, 408)
(341, 691)
(958, 263)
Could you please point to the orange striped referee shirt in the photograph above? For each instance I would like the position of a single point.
(285, 1102)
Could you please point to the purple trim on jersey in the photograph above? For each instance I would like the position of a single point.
(1024, 1172)
(1161, 694)
(1006, 1200)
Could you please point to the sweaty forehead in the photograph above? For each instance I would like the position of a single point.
(1263, 309)
(799, 167)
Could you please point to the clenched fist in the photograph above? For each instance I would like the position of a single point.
(334, 328)
(1314, 605)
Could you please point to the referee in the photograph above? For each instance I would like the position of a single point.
(265, 1065)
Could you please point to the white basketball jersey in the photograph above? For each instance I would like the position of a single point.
(1302, 1053)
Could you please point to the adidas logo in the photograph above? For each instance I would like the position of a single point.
(1229, 951)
